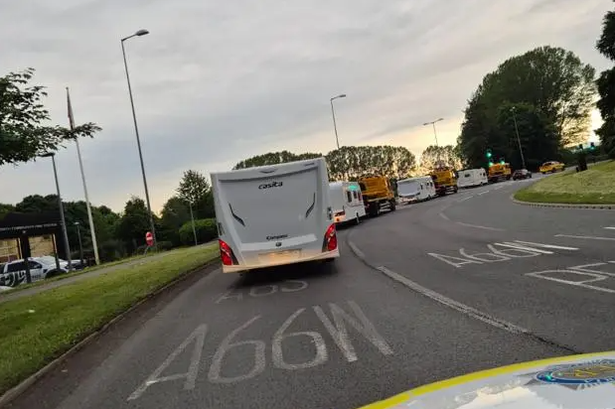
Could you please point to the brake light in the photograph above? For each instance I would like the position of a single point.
(330, 241)
(226, 254)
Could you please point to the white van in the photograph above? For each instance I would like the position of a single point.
(274, 215)
(472, 177)
(346, 201)
(416, 189)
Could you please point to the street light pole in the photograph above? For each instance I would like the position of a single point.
(337, 141)
(80, 242)
(513, 109)
(61, 207)
(433, 123)
(193, 226)
(139, 33)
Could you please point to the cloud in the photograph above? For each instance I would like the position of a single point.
(215, 83)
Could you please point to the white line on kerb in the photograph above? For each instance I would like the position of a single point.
(463, 308)
(572, 236)
(479, 226)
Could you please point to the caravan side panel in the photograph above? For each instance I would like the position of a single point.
(274, 215)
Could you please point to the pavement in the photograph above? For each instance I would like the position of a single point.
(461, 283)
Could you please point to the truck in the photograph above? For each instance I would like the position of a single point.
(274, 215)
(499, 171)
(347, 202)
(378, 194)
(445, 180)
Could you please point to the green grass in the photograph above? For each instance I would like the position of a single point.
(594, 186)
(36, 329)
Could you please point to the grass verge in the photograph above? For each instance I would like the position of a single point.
(594, 186)
(35, 330)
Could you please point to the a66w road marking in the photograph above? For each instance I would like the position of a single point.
(337, 325)
(504, 251)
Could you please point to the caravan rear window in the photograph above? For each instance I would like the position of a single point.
(348, 196)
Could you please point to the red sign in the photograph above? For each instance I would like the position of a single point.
(149, 238)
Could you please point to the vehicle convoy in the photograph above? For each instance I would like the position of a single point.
(472, 178)
(499, 172)
(552, 167)
(445, 179)
(416, 189)
(377, 193)
(572, 382)
(274, 215)
(347, 202)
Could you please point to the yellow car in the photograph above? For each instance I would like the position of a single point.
(552, 167)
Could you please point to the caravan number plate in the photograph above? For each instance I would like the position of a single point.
(277, 256)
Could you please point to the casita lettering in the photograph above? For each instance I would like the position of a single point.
(270, 185)
(281, 236)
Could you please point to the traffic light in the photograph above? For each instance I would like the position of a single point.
(502, 161)
(489, 154)
(490, 163)
(580, 146)
(592, 146)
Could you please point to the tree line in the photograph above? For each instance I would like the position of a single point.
(123, 234)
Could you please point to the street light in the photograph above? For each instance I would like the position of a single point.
(139, 33)
(513, 109)
(433, 123)
(61, 207)
(337, 141)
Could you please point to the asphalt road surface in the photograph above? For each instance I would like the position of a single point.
(458, 284)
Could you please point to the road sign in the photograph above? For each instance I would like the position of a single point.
(149, 238)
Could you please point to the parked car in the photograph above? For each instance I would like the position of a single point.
(13, 273)
(552, 167)
(522, 174)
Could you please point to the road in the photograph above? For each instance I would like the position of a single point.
(346, 335)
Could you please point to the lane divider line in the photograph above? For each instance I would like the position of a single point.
(462, 308)
(572, 236)
(482, 193)
(479, 226)
(464, 199)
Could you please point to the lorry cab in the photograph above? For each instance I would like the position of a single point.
(274, 215)
(346, 202)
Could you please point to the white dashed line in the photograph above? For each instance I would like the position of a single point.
(609, 228)
(481, 227)
(572, 236)
(464, 199)
(482, 193)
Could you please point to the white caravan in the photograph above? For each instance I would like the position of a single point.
(416, 189)
(472, 177)
(274, 215)
(346, 202)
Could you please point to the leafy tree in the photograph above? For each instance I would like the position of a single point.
(175, 213)
(274, 158)
(351, 162)
(5, 209)
(606, 85)
(205, 231)
(134, 223)
(194, 188)
(553, 81)
(445, 154)
(22, 134)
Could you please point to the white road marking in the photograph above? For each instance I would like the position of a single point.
(481, 227)
(583, 284)
(445, 217)
(356, 250)
(458, 265)
(572, 236)
(498, 187)
(546, 246)
(516, 246)
(463, 308)
(482, 193)
(198, 336)
(610, 228)
(279, 336)
(339, 332)
(464, 199)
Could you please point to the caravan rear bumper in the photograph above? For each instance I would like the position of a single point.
(243, 268)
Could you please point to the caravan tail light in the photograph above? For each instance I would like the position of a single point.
(330, 241)
(226, 254)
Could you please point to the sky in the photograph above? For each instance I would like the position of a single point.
(218, 82)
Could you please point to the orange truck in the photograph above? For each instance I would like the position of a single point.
(499, 171)
(378, 194)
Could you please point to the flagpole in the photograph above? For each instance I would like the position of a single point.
(85, 187)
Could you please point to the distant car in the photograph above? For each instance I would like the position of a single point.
(552, 167)
(522, 174)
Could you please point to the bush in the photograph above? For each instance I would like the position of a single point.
(112, 250)
(165, 245)
(206, 230)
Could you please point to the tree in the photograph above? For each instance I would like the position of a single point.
(5, 209)
(553, 81)
(274, 158)
(134, 223)
(606, 85)
(434, 154)
(23, 136)
(352, 162)
(175, 213)
(194, 188)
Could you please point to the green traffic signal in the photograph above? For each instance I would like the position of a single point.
(490, 163)
(489, 153)
(592, 146)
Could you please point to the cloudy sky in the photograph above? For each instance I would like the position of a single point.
(217, 82)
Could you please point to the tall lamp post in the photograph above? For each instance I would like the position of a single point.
(433, 123)
(139, 33)
(337, 141)
(80, 242)
(61, 207)
(513, 109)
